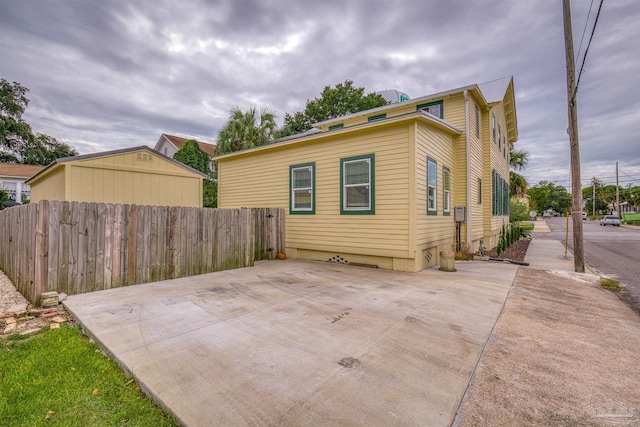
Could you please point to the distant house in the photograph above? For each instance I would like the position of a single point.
(382, 186)
(138, 175)
(13, 178)
(170, 144)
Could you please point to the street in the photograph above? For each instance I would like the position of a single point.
(613, 251)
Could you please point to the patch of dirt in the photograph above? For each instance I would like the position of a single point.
(563, 353)
(517, 251)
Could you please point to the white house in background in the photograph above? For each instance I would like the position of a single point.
(12, 180)
(170, 144)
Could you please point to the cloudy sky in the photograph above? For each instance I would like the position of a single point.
(111, 74)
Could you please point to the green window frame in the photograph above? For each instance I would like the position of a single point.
(377, 117)
(494, 192)
(446, 191)
(477, 121)
(493, 126)
(432, 186)
(357, 185)
(336, 127)
(302, 189)
(479, 191)
(436, 108)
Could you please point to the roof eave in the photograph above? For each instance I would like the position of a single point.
(418, 115)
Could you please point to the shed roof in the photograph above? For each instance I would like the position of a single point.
(19, 171)
(64, 160)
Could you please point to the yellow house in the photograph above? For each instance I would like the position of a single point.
(138, 175)
(391, 186)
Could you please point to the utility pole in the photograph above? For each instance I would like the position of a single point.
(593, 202)
(617, 193)
(572, 107)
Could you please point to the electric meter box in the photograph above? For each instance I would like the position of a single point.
(460, 213)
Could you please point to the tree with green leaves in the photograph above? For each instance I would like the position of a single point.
(518, 184)
(192, 155)
(547, 195)
(245, 130)
(18, 143)
(343, 99)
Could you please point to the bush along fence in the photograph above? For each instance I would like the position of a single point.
(74, 247)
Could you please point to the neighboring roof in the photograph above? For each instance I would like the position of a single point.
(317, 134)
(111, 153)
(19, 171)
(179, 143)
(495, 90)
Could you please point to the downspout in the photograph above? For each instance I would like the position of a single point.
(468, 147)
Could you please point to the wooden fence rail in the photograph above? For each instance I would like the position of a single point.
(77, 247)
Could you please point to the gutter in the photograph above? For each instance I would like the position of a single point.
(468, 148)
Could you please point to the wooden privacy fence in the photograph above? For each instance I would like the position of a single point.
(77, 247)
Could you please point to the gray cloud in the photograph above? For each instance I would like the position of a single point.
(108, 74)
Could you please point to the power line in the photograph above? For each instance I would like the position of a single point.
(586, 51)
(584, 30)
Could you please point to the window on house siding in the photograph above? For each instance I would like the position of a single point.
(446, 191)
(432, 184)
(10, 188)
(434, 108)
(377, 117)
(338, 126)
(500, 194)
(499, 137)
(477, 121)
(302, 194)
(479, 191)
(493, 126)
(357, 180)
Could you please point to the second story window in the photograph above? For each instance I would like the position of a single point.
(434, 108)
(493, 127)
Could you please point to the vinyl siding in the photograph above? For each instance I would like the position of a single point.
(494, 160)
(434, 230)
(262, 180)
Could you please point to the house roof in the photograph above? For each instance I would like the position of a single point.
(495, 90)
(19, 171)
(179, 143)
(318, 135)
(58, 162)
(415, 101)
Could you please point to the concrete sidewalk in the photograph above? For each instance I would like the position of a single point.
(303, 343)
(549, 255)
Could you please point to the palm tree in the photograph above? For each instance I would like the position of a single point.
(246, 130)
(518, 159)
(518, 184)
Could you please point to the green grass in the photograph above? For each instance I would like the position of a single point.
(610, 284)
(525, 225)
(59, 378)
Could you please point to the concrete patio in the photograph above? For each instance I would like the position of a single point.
(303, 343)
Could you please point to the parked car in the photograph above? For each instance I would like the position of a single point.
(610, 220)
(584, 216)
(546, 215)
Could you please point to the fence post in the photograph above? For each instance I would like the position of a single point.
(42, 250)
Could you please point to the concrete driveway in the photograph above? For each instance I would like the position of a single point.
(295, 343)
